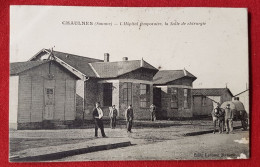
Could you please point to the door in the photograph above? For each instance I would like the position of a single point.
(49, 103)
(197, 105)
(157, 97)
(157, 101)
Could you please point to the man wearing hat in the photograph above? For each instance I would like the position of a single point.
(129, 115)
(229, 115)
(97, 115)
(215, 116)
(221, 120)
(113, 114)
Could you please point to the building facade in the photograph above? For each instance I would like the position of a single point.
(205, 100)
(46, 95)
(172, 93)
(111, 83)
(56, 89)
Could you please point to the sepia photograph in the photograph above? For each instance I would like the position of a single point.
(128, 83)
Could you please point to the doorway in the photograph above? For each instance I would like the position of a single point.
(49, 103)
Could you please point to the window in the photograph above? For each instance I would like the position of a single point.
(107, 96)
(185, 102)
(127, 93)
(49, 100)
(144, 95)
(174, 97)
(187, 98)
(49, 103)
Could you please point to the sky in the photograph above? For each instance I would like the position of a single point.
(211, 43)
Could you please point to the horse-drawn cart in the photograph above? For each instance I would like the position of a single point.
(239, 112)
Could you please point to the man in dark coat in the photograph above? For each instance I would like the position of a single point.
(113, 114)
(97, 115)
(129, 115)
(221, 120)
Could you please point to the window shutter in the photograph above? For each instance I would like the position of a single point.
(189, 98)
(180, 97)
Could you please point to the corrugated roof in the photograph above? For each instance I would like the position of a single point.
(210, 91)
(78, 62)
(18, 67)
(115, 69)
(98, 68)
(165, 76)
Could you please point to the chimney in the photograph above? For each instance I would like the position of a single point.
(125, 58)
(142, 62)
(185, 73)
(106, 57)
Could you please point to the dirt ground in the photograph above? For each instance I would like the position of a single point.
(208, 147)
(144, 132)
(18, 144)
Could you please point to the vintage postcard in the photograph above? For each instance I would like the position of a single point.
(127, 83)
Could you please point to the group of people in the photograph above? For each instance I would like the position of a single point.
(129, 116)
(223, 117)
(98, 114)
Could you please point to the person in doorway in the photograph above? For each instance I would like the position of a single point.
(153, 111)
(229, 115)
(113, 114)
(129, 115)
(97, 115)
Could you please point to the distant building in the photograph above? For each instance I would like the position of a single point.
(244, 98)
(172, 93)
(204, 100)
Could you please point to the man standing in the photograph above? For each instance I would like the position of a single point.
(221, 120)
(229, 115)
(215, 116)
(97, 115)
(153, 110)
(129, 115)
(113, 115)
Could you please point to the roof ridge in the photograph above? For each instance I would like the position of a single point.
(172, 70)
(117, 61)
(77, 55)
(29, 61)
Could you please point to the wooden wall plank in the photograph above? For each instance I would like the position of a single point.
(70, 100)
(37, 99)
(59, 99)
(24, 99)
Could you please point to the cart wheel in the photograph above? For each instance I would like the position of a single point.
(244, 124)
